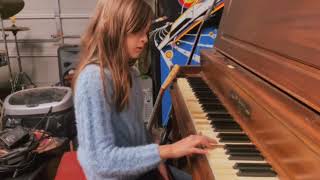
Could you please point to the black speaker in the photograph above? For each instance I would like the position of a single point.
(68, 58)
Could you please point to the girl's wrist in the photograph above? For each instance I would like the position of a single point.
(165, 151)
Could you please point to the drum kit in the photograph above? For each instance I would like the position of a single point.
(9, 8)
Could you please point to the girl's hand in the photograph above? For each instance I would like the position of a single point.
(193, 144)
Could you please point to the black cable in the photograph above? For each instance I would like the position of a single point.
(28, 157)
(44, 117)
(26, 153)
(205, 18)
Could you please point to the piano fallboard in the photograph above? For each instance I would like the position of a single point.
(277, 40)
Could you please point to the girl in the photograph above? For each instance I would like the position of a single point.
(112, 139)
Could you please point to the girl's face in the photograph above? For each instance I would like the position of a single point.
(136, 42)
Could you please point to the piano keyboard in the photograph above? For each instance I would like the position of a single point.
(235, 157)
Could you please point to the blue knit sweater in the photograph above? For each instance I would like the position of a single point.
(111, 145)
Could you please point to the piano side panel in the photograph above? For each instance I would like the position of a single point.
(285, 131)
(278, 40)
(199, 164)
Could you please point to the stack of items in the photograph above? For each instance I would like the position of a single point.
(37, 122)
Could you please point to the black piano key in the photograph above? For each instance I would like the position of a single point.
(209, 103)
(199, 90)
(196, 81)
(220, 120)
(200, 87)
(212, 103)
(194, 78)
(208, 100)
(198, 84)
(234, 150)
(211, 98)
(239, 146)
(234, 137)
(205, 97)
(218, 111)
(228, 124)
(220, 126)
(256, 172)
(219, 129)
(227, 130)
(220, 117)
(252, 166)
(204, 94)
(243, 153)
(212, 107)
(246, 156)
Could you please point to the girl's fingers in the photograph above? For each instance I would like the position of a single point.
(210, 145)
(207, 143)
(210, 140)
(214, 145)
(202, 141)
(206, 138)
(199, 151)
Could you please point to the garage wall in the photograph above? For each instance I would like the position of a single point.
(52, 23)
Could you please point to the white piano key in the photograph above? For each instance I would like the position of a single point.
(218, 160)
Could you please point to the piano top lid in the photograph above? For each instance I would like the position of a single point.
(278, 41)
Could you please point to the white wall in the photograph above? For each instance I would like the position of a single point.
(47, 19)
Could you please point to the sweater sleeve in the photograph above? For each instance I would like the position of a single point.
(99, 154)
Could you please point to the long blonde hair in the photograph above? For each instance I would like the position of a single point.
(105, 40)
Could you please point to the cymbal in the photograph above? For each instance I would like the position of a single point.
(15, 28)
(10, 8)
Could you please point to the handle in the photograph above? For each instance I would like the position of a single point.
(172, 75)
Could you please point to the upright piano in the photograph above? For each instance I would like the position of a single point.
(257, 93)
